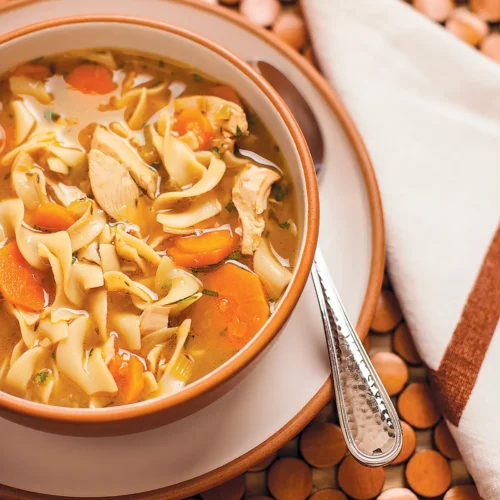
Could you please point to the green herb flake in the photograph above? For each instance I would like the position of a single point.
(216, 152)
(91, 350)
(65, 73)
(251, 120)
(278, 191)
(212, 293)
(197, 77)
(156, 165)
(50, 115)
(239, 133)
(236, 255)
(73, 258)
(161, 63)
(222, 333)
(230, 206)
(37, 59)
(167, 284)
(273, 300)
(266, 234)
(284, 225)
(37, 228)
(41, 377)
(53, 355)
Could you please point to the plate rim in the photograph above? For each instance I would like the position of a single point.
(303, 417)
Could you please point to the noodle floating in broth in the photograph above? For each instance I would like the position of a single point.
(146, 227)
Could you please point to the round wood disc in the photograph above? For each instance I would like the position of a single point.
(437, 10)
(428, 473)
(490, 46)
(328, 494)
(387, 314)
(392, 371)
(462, 492)
(261, 12)
(289, 479)
(291, 28)
(397, 494)
(416, 405)
(234, 489)
(489, 10)
(409, 443)
(404, 346)
(323, 445)
(445, 443)
(358, 481)
(263, 464)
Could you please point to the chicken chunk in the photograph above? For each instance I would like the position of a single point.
(112, 145)
(113, 187)
(227, 118)
(154, 318)
(250, 193)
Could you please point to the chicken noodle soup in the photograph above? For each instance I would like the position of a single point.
(147, 227)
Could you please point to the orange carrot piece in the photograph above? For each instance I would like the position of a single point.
(35, 71)
(53, 217)
(226, 92)
(127, 371)
(194, 120)
(19, 282)
(234, 305)
(92, 79)
(204, 250)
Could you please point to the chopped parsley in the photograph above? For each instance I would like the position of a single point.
(284, 225)
(50, 116)
(239, 133)
(41, 377)
(230, 206)
(91, 350)
(73, 258)
(212, 293)
(161, 64)
(278, 191)
(156, 165)
(251, 120)
(223, 332)
(216, 152)
(273, 300)
(65, 73)
(236, 255)
(266, 234)
(197, 77)
(36, 227)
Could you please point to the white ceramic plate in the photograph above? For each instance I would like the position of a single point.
(295, 367)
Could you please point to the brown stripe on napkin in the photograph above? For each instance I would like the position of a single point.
(459, 368)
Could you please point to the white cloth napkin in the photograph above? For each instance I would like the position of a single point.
(428, 109)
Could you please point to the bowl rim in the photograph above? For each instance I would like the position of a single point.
(279, 317)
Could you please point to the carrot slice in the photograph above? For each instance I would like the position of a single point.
(35, 71)
(19, 282)
(226, 92)
(194, 120)
(203, 250)
(127, 371)
(233, 305)
(92, 79)
(53, 217)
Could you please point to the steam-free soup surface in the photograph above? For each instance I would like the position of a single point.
(147, 227)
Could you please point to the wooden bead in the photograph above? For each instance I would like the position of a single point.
(437, 10)
(428, 473)
(323, 445)
(490, 46)
(392, 371)
(467, 26)
(291, 28)
(289, 479)
(328, 494)
(397, 494)
(404, 346)
(234, 489)
(261, 12)
(445, 443)
(264, 463)
(489, 10)
(210, 2)
(229, 2)
(358, 481)
(409, 444)
(462, 492)
(387, 313)
(416, 405)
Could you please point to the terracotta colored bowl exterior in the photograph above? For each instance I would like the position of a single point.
(146, 415)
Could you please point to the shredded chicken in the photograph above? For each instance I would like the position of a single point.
(113, 187)
(250, 194)
(227, 118)
(154, 318)
(112, 145)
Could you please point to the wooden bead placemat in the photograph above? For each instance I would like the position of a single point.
(315, 465)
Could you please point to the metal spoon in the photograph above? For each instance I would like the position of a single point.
(367, 416)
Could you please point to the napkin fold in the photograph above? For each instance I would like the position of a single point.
(428, 109)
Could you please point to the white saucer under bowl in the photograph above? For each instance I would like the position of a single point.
(290, 384)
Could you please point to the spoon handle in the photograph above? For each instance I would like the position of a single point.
(367, 416)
